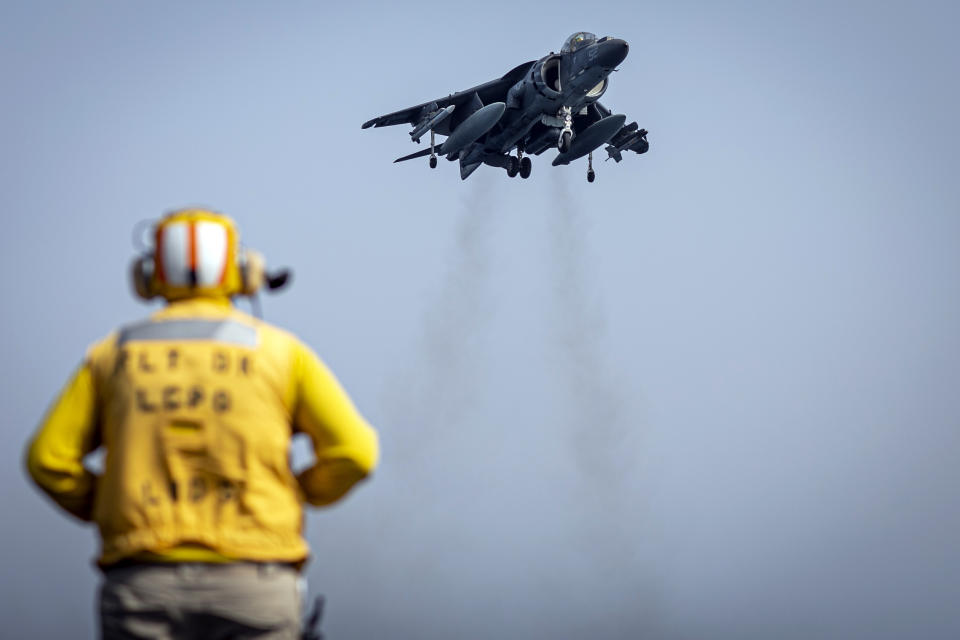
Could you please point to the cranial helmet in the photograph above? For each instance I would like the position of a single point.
(197, 253)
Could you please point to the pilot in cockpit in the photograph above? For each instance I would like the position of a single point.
(578, 40)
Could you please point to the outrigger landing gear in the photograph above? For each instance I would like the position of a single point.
(591, 174)
(566, 136)
(433, 155)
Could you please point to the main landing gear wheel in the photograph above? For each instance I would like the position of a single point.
(591, 176)
(525, 167)
(433, 162)
(513, 167)
(563, 144)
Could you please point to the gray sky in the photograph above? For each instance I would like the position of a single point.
(711, 395)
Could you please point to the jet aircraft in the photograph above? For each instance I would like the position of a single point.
(542, 104)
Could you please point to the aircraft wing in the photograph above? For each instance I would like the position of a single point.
(493, 91)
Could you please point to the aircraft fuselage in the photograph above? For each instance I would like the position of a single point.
(566, 80)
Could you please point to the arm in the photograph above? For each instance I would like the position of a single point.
(345, 446)
(54, 458)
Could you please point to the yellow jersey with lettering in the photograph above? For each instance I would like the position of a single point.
(196, 408)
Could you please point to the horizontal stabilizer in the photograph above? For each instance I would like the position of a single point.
(419, 154)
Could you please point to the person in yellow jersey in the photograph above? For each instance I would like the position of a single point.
(199, 513)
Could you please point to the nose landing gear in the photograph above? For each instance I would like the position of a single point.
(591, 174)
(566, 135)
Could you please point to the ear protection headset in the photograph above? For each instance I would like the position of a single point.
(197, 253)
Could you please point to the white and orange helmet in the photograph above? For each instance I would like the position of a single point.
(197, 253)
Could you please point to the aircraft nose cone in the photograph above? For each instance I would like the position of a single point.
(613, 52)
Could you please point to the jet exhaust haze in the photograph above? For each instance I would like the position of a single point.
(603, 425)
(445, 387)
(442, 406)
(598, 413)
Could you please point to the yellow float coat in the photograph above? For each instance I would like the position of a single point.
(196, 408)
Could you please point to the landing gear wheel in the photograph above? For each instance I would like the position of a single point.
(525, 167)
(591, 176)
(563, 144)
(433, 162)
(513, 167)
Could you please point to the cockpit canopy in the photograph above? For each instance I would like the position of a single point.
(577, 41)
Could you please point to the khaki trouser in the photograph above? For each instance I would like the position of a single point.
(208, 601)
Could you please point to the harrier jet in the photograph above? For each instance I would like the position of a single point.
(542, 104)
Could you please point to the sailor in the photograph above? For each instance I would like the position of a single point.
(199, 513)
